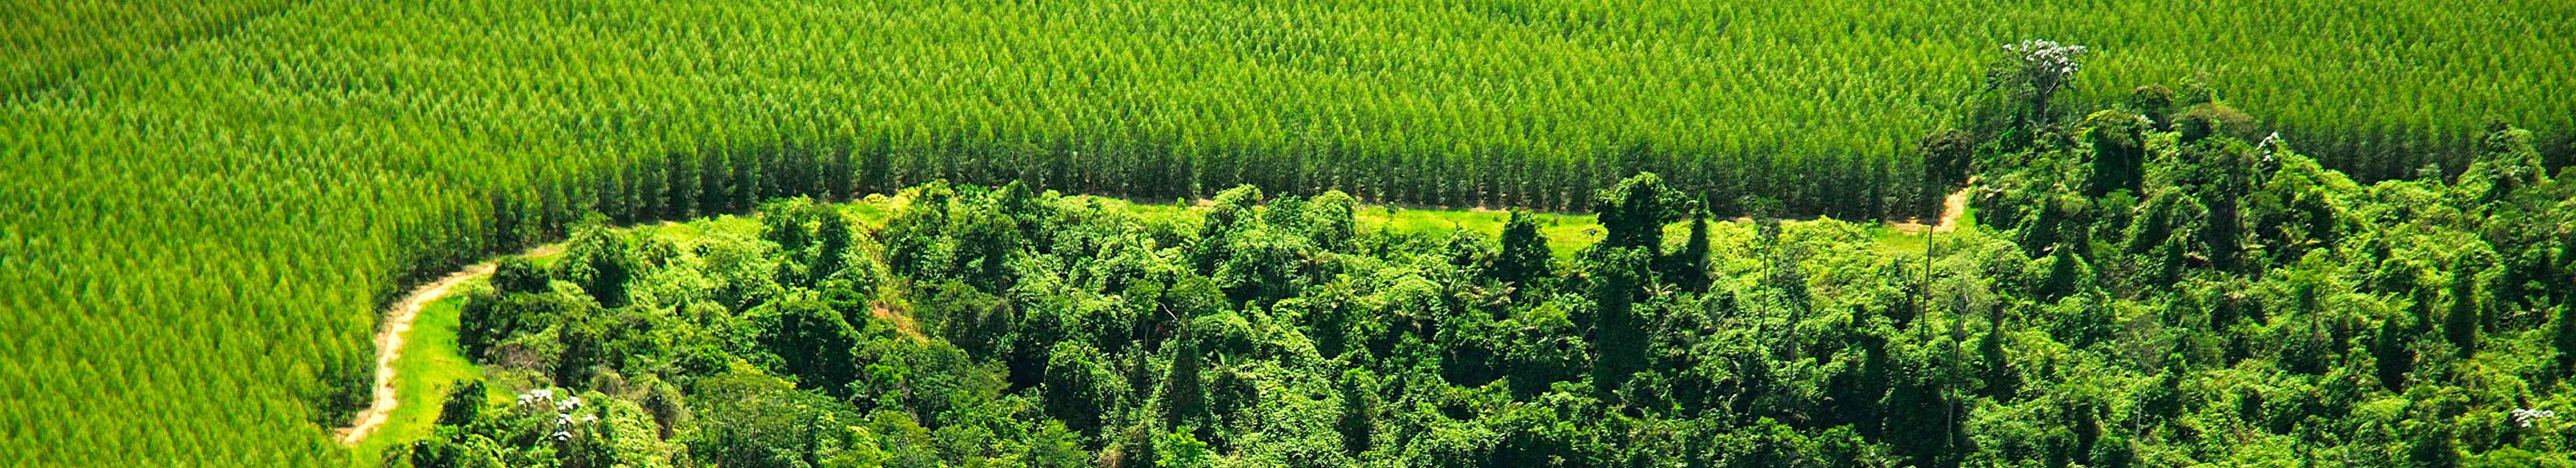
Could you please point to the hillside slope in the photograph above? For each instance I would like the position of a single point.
(194, 240)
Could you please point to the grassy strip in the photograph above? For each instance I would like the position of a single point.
(430, 366)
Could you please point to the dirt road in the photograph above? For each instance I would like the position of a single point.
(389, 343)
(1951, 207)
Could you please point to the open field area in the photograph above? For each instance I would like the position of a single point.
(205, 206)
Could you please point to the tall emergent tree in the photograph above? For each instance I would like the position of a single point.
(2035, 70)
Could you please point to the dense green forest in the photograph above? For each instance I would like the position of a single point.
(206, 203)
(2143, 291)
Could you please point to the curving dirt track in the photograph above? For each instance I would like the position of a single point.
(1951, 207)
(389, 339)
(389, 342)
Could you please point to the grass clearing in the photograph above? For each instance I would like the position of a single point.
(430, 366)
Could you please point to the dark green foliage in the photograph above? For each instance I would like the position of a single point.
(464, 404)
(2220, 312)
(813, 342)
(1635, 211)
(757, 420)
(967, 316)
(2507, 161)
(2119, 151)
(784, 223)
(1265, 264)
(2461, 322)
(1688, 268)
(1183, 394)
(1995, 367)
(2563, 339)
(2434, 446)
(2392, 353)
(487, 318)
(1080, 385)
(2154, 102)
(1357, 421)
(1619, 278)
(601, 262)
(519, 275)
(833, 252)
(2212, 119)
(1328, 221)
(1524, 254)
(987, 240)
(1948, 157)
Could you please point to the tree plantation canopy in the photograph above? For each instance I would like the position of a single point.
(1385, 233)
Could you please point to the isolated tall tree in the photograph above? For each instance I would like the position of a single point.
(2392, 356)
(1182, 397)
(2564, 338)
(2035, 70)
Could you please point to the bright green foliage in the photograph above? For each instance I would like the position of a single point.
(1328, 221)
(1808, 347)
(296, 167)
(1179, 449)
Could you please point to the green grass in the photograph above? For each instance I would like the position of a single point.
(430, 366)
(1891, 242)
(1566, 233)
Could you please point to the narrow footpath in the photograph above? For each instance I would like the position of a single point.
(389, 343)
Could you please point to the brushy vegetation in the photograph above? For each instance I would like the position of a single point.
(236, 186)
(2238, 304)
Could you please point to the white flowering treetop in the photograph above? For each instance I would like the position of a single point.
(565, 425)
(2528, 417)
(2042, 67)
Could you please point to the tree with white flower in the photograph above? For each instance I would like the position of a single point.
(2036, 70)
(565, 424)
(2529, 417)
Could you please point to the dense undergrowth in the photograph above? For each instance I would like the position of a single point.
(2145, 292)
